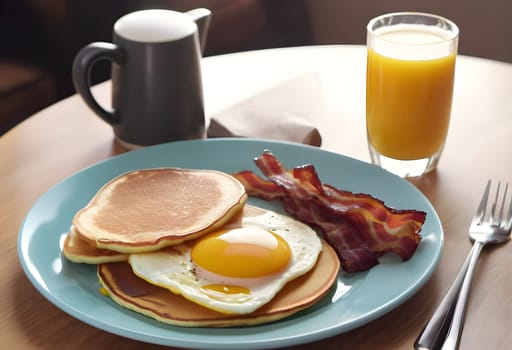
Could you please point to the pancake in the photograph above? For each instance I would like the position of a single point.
(80, 251)
(146, 210)
(135, 294)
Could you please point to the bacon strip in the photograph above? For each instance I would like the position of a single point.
(358, 226)
(257, 187)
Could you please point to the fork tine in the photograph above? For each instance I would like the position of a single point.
(508, 219)
(502, 207)
(493, 219)
(480, 213)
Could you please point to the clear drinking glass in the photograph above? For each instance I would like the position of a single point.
(409, 88)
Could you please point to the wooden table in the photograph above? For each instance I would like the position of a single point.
(67, 137)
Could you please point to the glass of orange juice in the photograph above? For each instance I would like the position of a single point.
(409, 88)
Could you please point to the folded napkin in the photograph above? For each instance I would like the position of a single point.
(285, 112)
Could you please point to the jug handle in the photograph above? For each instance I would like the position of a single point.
(202, 18)
(81, 72)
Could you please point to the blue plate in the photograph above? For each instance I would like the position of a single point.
(354, 301)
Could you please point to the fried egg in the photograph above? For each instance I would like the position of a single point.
(238, 268)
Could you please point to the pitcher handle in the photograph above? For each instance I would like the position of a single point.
(81, 72)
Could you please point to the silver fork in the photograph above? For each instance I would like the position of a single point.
(483, 231)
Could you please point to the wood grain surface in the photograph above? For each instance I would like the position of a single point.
(67, 137)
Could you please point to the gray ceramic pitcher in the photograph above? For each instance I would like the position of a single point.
(157, 91)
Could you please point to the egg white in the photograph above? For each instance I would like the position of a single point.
(173, 269)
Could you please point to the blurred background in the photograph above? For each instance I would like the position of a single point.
(39, 38)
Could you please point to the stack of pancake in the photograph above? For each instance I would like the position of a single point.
(183, 246)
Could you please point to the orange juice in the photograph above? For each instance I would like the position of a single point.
(408, 94)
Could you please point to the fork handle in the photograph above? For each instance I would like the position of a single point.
(433, 335)
(455, 331)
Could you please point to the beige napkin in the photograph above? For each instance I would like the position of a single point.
(285, 112)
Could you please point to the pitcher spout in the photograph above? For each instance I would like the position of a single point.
(202, 18)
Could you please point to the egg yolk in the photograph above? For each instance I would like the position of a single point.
(219, 291)
(245, 252)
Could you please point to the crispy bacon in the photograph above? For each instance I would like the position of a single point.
(358, 226)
